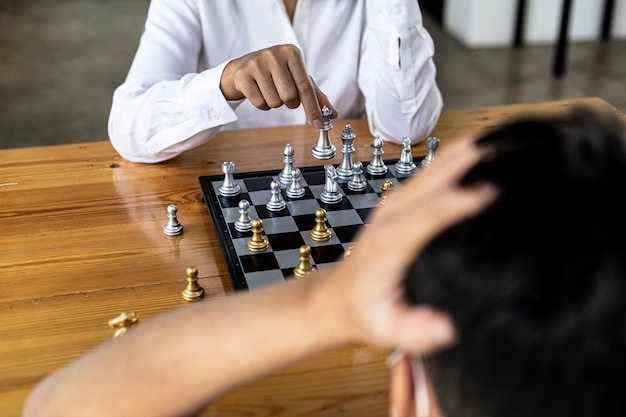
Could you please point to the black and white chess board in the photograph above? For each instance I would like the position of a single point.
(288, 229)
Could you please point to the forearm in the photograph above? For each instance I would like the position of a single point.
(176, 363)
(157, 117)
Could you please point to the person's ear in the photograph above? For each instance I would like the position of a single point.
(401, 389)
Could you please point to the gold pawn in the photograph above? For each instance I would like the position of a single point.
(123, 322)
(304, 268)
(320, 232)
(193, 291)
(257, 242)
(386, 188)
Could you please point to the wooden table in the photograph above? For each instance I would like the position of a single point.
(81, 241)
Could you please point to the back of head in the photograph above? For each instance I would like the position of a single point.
(536, 283)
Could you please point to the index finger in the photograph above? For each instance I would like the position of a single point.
(307, 91)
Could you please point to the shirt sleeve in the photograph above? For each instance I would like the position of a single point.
(397, 72)
(165, 107)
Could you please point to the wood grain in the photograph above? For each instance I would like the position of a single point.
(81, 241)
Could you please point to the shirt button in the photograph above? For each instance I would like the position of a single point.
(398, 10)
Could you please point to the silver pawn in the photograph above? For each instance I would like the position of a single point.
(287, 172)
(276, 203)
(295, 190)
(346, 169)
(323, 149)
(432, 143)
(405, 165)
(377, 166)
(244, 223)
(331, 193)
(229, 188)
(172, 227)
(357, 182)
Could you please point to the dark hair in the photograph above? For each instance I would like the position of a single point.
(535, 283)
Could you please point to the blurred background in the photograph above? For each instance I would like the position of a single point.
(60, 60)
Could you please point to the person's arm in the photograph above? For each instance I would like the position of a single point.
(165, 107)
(397, 72)
(232, 340)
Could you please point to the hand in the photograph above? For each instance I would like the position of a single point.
(365, 290)
(273, 77)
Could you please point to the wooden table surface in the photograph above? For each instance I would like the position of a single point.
(81, 241)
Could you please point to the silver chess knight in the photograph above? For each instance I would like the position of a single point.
(323, 149)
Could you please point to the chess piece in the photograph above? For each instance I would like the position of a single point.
(243, 223)
(323, 149)
(229, 188)
(331, 193)
(320, 232)
(432, 143)
(347, 252)
(193, 291)
(377, 166)
(304, 267)
(122, 323)
(257, 242)
(285, 175)
(386, 188)
(345, 169)
(172, 227)
(358, 181)
(405, 165)
(295, 190)
(276, 203)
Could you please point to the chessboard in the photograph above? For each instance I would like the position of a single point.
(290, 228)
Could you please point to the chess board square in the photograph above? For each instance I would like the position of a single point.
(342, 218)
(261, 279)
(284, 241)
(258, 198)
(289, 258)
(327, 253)
(303, 207)
(362, 201)
(364, 213)
(258, 262)
(274, 225)
(346, 234)
(263, 212)
(315, 178)
(231, 214)
(232, 201)
(260, 183)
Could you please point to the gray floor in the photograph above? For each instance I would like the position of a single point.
(60, 61)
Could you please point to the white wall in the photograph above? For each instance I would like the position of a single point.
(490, 23)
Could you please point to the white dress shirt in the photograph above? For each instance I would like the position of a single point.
(372, 58)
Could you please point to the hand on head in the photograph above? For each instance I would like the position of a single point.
(366, 287)
(273, 77)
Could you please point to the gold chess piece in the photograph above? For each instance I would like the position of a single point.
(257, 242)
(347, 252)
(320, 232)
(386, 187)
(123, 322)
(304, 267)
(193, 291)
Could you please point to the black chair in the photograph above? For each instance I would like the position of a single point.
(558, 68)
